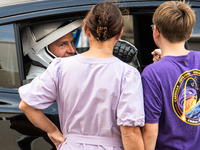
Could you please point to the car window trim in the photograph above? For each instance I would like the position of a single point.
(19, 52)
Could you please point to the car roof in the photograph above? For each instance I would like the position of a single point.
(13, 2)
(15, 10)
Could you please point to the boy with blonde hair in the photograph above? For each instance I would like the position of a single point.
(172, 85)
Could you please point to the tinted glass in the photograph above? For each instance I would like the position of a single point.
(128, 29)
(194, 42)
(9, 74)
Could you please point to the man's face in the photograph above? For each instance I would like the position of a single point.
(63, 47)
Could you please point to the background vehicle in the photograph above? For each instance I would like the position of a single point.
(13, 65)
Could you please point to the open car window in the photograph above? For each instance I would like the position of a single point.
(81, 41)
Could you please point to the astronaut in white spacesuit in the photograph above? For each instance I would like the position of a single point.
(42, 43)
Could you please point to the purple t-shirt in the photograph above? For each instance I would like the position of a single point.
(171, 98)
(94, 97)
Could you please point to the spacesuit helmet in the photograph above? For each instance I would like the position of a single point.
(35, 39)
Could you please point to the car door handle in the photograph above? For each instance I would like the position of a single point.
(4, 103)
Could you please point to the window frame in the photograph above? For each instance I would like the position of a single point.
(19, 52)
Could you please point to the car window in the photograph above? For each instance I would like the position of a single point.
(194, 41)
(9, 74)
(80, 40)
(128, 29)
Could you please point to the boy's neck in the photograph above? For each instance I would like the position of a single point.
(173, 49)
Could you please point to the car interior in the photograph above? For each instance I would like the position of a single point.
(137, 31)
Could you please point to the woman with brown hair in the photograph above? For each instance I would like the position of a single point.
(100, 99)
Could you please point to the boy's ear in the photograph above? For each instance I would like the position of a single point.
(87, 32)
(156, 32)
(191, 33)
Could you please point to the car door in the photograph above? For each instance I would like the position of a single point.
(11, 75)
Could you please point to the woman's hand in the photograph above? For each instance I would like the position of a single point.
(35, 116)
(56, 137)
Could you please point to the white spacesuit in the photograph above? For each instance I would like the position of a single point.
(35, 41)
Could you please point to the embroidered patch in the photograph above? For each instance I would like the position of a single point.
(186, 97)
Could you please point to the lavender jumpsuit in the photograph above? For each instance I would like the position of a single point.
(94, 97)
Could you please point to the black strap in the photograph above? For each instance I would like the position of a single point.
(36, 63)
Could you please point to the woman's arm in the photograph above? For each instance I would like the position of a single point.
(132, 138)
(37, 117)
